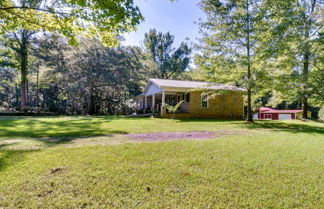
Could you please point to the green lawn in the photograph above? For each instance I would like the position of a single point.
(75, 162)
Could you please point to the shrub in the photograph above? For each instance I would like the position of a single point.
(173, 109)
(321, 114)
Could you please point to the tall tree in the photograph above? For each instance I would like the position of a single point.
(170, 62)
(73, 82)
(20, 42)
(233, 42)
(73, 19)
(300, 56)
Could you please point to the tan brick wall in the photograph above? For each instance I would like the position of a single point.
(227, 106)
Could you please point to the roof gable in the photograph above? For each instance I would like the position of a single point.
(151, 88)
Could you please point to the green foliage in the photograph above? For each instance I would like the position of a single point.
(168, 62)
(281, 42)
(91, 78)
(8, 88)
(173, 109)
(102, 19)
(8, 75)
(297, 64)
(19, 43)
(321, 114)
(233, 45)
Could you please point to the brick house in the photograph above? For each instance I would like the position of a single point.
(201, 99)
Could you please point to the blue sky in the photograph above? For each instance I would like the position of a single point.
(177, 17)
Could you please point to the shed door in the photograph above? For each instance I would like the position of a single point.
(284, 116)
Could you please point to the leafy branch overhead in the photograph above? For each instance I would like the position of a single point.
(102, 19)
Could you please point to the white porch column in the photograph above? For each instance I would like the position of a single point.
(163, 98)
(145, 105)
(162, 105)
(153, 101)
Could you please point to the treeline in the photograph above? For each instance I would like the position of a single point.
(52, 76)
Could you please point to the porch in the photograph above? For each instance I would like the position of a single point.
(155, 101)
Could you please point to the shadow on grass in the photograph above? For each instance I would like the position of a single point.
(34, 128)
(290, 126)
(56, 141)
(302, 127)
(3, 146)
(11, 157)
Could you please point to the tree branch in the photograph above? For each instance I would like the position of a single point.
(32, 8)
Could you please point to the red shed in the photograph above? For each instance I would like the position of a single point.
(267, 113)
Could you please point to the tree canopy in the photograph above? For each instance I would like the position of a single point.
(103, 19)
(233, 43)
(170, 62)
(298, 45)
(73, 82)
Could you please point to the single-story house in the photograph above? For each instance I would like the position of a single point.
(201, 99)
(267, 113)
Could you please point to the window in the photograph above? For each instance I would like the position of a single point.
(267, 116)
(186, 97)
(204, 101)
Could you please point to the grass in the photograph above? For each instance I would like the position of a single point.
(277, 165)
(96, 126)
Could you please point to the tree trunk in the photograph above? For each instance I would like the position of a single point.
(248, 52)
(23, 53)
(37, 88)
(91, 103)
(306, 59)
(305, 84)
(249, 108)
(24, 78)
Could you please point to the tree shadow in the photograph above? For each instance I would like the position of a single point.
(49, 142)
(3, 146)
(11, 157)
(34, 128)
(283, 126)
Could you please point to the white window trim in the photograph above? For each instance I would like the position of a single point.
(201, 101)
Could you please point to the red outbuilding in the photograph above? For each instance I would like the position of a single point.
(267, 113)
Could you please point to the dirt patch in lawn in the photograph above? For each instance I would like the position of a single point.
(167, 136)
(116, 139)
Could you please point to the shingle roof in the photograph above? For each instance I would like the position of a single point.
(193, 84)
